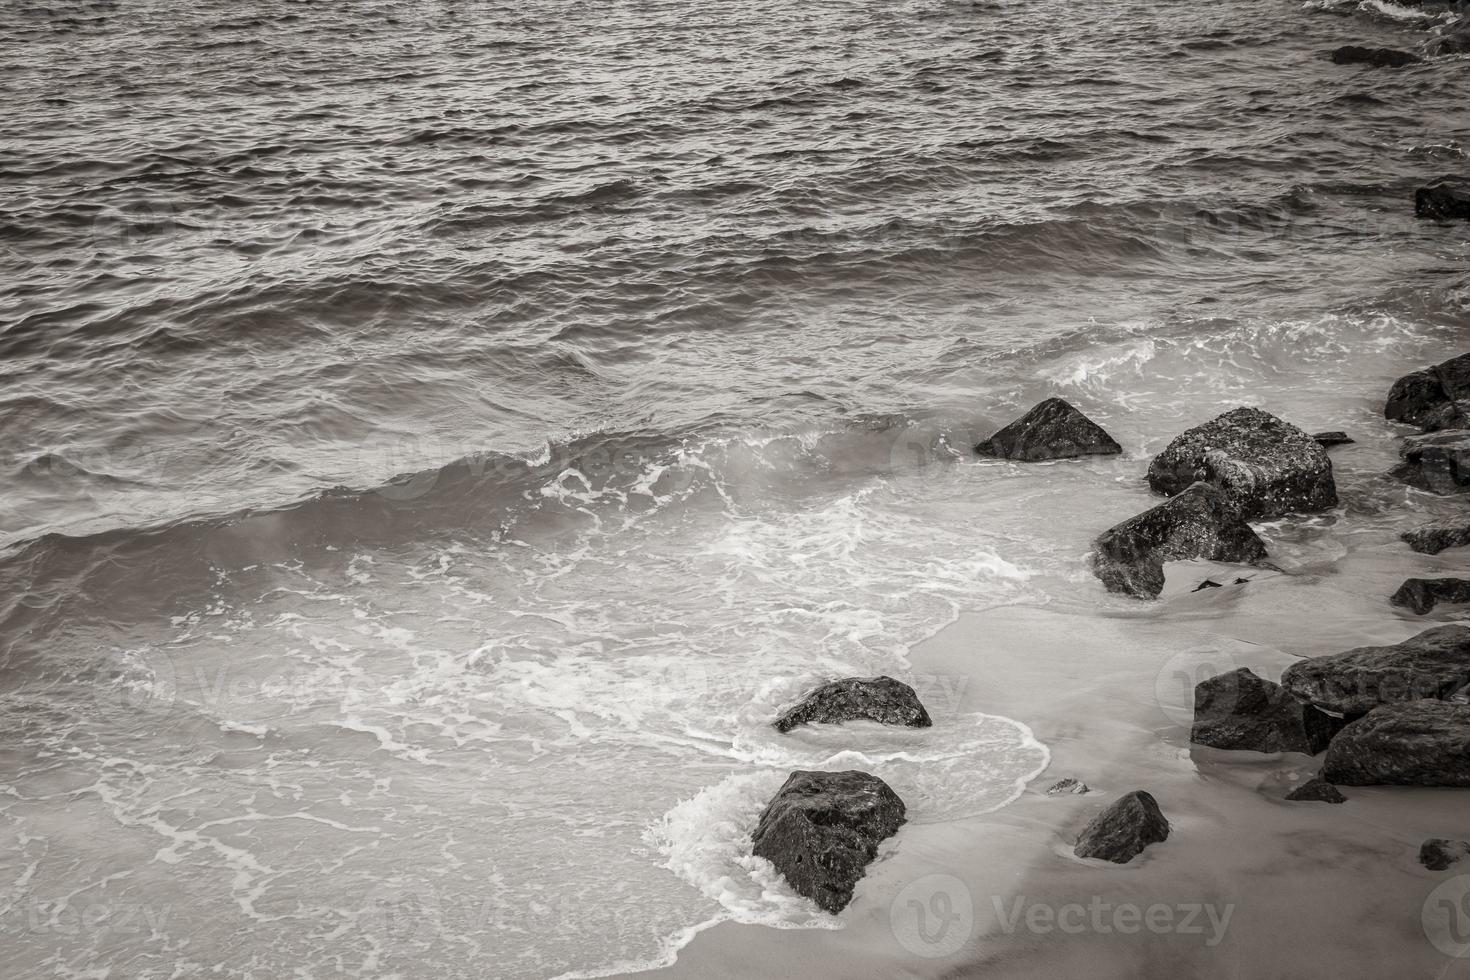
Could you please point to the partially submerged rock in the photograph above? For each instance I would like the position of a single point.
(1201, 522)
(1052, 430)
(1241, 711)
(1455, 40)
(1121, 832)
(880, 699)
(1444, 200)
(822, 829)
(1433, 664)
(1333, 438)
(1416, 743)
(1352, 54)
(1420, 595)
(1431, 539)
(1432, 397)
(1438, 853)
(1438, 462)
(1267, 466)
(1316, 790)
(1067, 787)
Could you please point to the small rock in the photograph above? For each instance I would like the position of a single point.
(1268, 467)
(1329, 439)
(1420, 595)
(822, 829)
(880, 699)
(1443, 200)
(1415, 743)
(1430, 397)
(1438, 462)
(1051, 430)
(1068, 786)
(1121, 832)
(1431, 539)
(1316, 790)
(1201, 522)
(1352, 54)
(1438, 853)
(1240, 711)
(1433, 664)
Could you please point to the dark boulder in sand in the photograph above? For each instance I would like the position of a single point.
(880, 699)
(822, 829)
(1316, 790)
(1051, 430)
(1444, 200)
(1431, 397)
(1438, 462)
(1201, 522)
(1420, 595)
(1438, 853)
(1267, 466)
(1352, 54)
(1433, 664)
(1334, 438)
(1417, 743)
(1124, 829)
(1241, 711)
(1431, 539)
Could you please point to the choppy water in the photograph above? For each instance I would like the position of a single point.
(438, 436)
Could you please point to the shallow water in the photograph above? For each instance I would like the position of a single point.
(440, 436)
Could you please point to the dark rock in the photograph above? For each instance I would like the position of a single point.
(1334, 438)
(880, 699)
(1051, 430)
(1455, 40)
(1316, 790)
(1416, 743)
(1438, 853)
(1352, 54)
(1420, 595)
(1267, 466)
(1433, 664)
(1124, 829)
(1066, 787)
(1431, 539)
(1207, 584)
(1443, 200)
(1430, 398)
(822, 829)
(1241, 711)
(1438, 462)
(1201, 522)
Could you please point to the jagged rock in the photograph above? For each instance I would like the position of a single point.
(1420, 595)
(1241, 711)
(1051, 430)
(1455, 40)
(1066, 787)
(1334, 438)
(1431, 397)
(1121, 832)
(1352, 54)
(880, 699)
(1433, 664)
(1443, 200)
(1431, 539)
(1416, 743)
(1316, 790)
(822, 829)
(1438, 853)
(1438, 462)
(1201, 522)
(1267, 466)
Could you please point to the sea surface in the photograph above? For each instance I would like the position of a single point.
(437, 437)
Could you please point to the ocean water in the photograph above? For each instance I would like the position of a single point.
(440, 436)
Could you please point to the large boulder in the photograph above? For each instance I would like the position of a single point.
(1431, 539)
(1438, 853)
(1352, 54)
(1267, 466)
(1444, 200)
(1051, 430)
(880, 699)
(822, 829)
(1241, 711)
(1417, 743)
(1200, 522)
(1432, 397)
(1433, 664)
(1121, 832)
(1438, 462)
(1420, 595)
(1316, 790)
